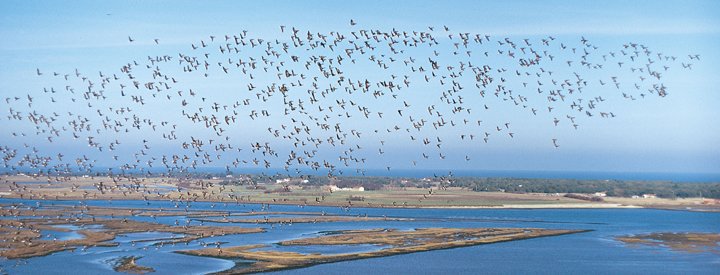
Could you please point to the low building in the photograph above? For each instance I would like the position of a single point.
(356, 189)
(649, 196)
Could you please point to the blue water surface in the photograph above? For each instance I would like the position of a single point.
(594, 252)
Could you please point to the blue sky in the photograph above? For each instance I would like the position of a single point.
(677, 133)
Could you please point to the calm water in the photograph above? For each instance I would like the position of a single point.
(594, 252)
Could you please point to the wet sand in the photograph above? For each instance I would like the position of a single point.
(22, 239)
(686, 242)
(128, 265)
(400, 242)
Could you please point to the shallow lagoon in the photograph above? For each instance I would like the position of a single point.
(593, 252)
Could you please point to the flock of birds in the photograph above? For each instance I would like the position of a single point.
(334, 101)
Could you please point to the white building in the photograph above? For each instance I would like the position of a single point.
(356, 189)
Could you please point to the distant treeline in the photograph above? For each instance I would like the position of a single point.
(618, 188)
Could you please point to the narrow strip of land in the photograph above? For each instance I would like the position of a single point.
(399, 242)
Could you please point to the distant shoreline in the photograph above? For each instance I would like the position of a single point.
(548, 206)
(558, 206)
(440, 192)
(679, 177)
